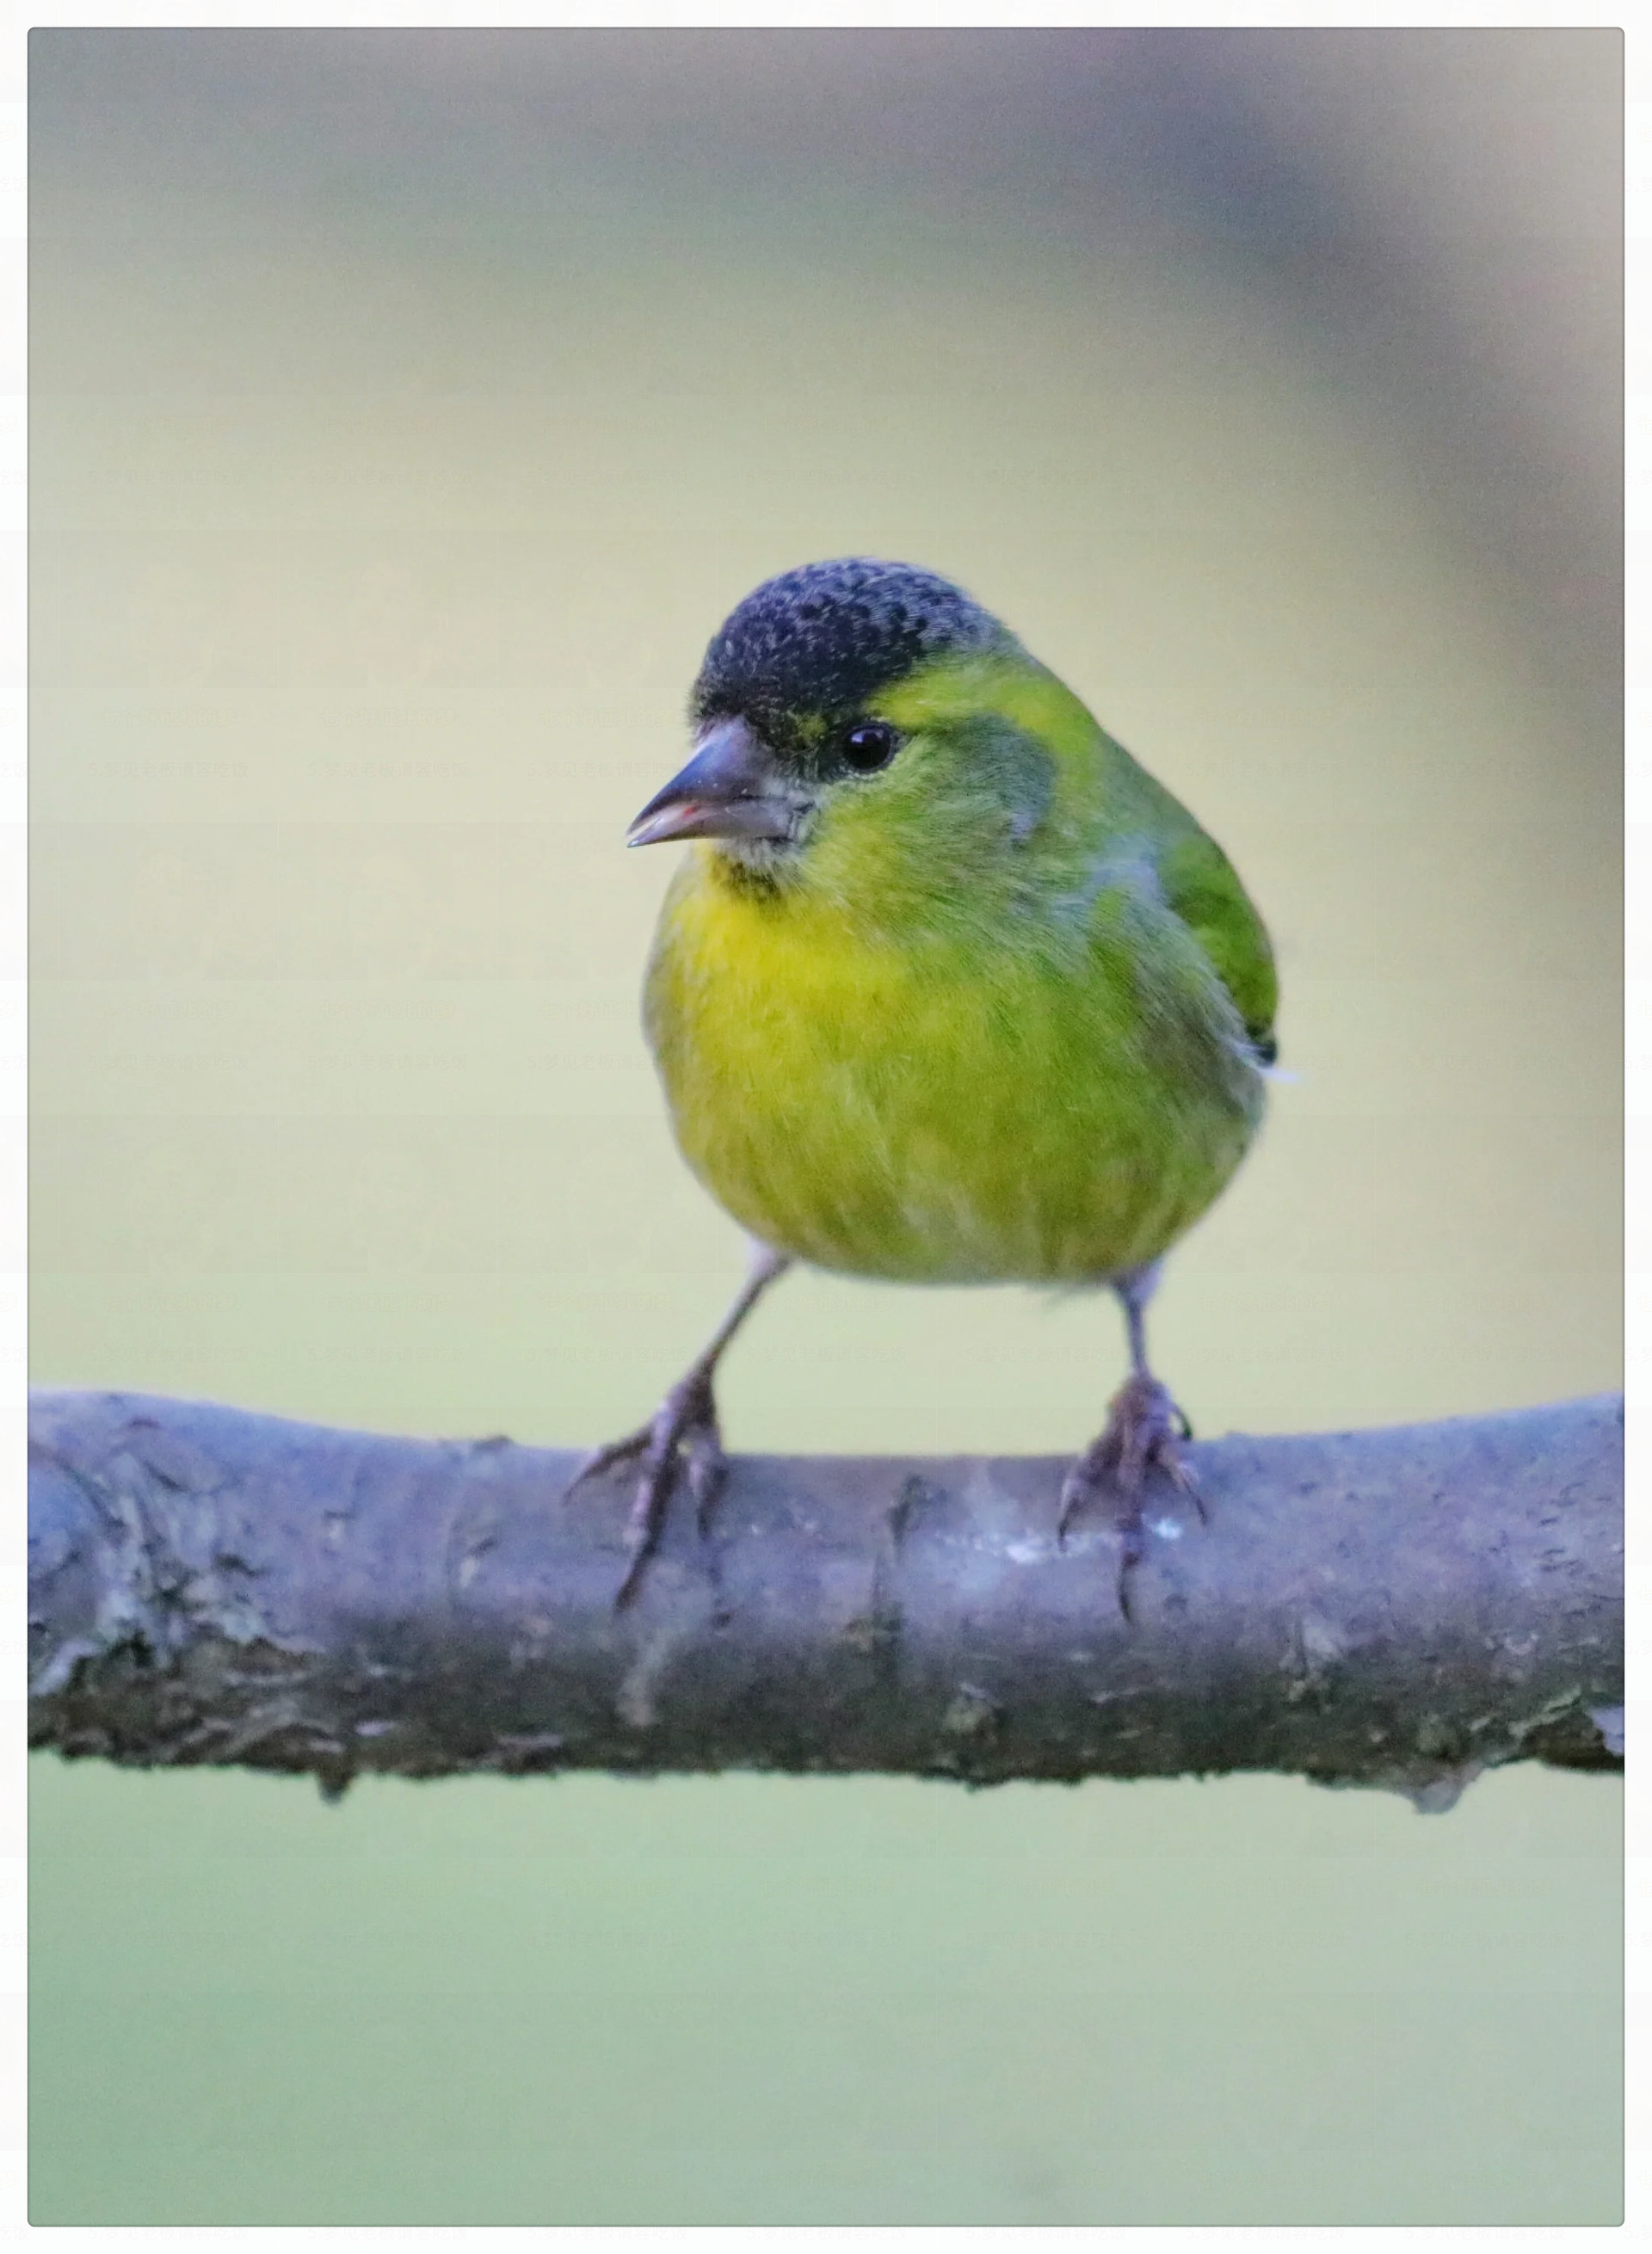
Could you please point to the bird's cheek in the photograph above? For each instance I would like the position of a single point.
(864, 839)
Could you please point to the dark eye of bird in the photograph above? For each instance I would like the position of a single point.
(868, 748)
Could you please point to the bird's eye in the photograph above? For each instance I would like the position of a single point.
(868, 748)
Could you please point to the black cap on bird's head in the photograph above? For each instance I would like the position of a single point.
(784, 680)
(815, 643)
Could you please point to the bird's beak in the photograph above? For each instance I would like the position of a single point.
(728, 789)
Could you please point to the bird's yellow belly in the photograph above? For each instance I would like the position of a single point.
(937, 1115)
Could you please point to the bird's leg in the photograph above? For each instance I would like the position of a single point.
(683, 1431)
(1144, 1432)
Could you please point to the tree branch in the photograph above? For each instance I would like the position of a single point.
(1400, 1607)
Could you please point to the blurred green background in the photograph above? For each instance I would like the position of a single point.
(407, 409)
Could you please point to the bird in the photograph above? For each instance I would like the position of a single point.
(947, 989)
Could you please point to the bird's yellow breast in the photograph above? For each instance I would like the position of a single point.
(945, 1106)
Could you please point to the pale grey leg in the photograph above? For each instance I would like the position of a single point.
(683, 1431)
(1144, 1431)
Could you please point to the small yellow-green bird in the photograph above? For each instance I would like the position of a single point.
(948, 989)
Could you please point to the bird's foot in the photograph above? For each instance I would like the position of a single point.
(682, 1436)
(1144, 1431)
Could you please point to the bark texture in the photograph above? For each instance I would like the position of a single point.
(1401, 1607)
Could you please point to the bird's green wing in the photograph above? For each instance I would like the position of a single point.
(1201, 886)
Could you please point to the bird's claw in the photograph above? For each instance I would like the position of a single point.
(1144, 1432)
(682, 1435)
